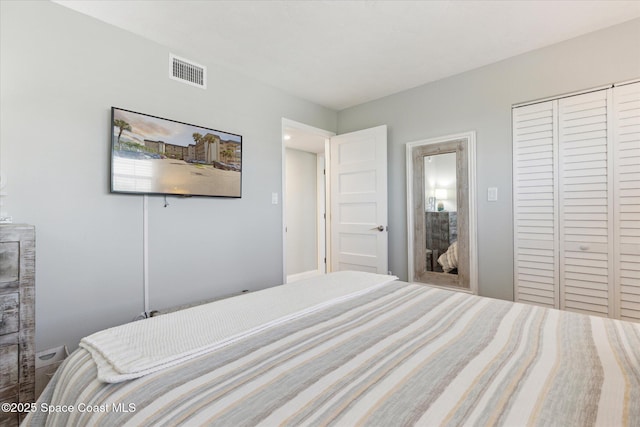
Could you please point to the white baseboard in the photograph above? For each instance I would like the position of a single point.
(304, 275)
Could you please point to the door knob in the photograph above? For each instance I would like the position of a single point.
(379, 228)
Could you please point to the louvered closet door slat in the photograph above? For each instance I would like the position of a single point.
(535, 201)
(585, 217)
(626, 107)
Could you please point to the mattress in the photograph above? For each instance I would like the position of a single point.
(385, 353)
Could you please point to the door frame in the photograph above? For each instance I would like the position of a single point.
(470, 138)
(323, 246)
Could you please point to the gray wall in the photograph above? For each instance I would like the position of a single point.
(301, 205)
(481, 100)
(60, 74)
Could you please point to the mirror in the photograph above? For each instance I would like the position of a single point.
(441, 210)
(439, 221)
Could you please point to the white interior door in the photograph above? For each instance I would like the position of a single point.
(627, 199)
(585, 204)
(535, 204)
(359, 201)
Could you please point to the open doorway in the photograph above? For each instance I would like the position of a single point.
(305, 198)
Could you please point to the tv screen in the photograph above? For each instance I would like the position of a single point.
(151, 155)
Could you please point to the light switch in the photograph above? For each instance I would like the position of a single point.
(492, 194)
(274, 198)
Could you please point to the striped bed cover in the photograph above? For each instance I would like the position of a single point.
(403, 354)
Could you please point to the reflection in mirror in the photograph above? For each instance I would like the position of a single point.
(441, 210)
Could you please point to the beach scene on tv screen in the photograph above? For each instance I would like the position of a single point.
(154, 155)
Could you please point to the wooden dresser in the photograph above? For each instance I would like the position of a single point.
(17, 318)
(441, 230)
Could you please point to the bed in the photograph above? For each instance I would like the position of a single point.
(350, 349)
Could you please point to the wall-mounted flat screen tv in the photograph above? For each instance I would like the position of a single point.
(151, 155)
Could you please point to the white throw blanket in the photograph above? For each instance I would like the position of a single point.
(140, 348)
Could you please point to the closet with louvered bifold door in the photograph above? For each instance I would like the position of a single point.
(626, 122)
(585, 199)
(535, 142)
(577, 202)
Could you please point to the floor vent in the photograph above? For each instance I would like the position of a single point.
(187, 71)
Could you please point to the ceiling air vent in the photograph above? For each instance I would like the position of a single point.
(187, 71)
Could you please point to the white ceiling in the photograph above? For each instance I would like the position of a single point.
(343, 53)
